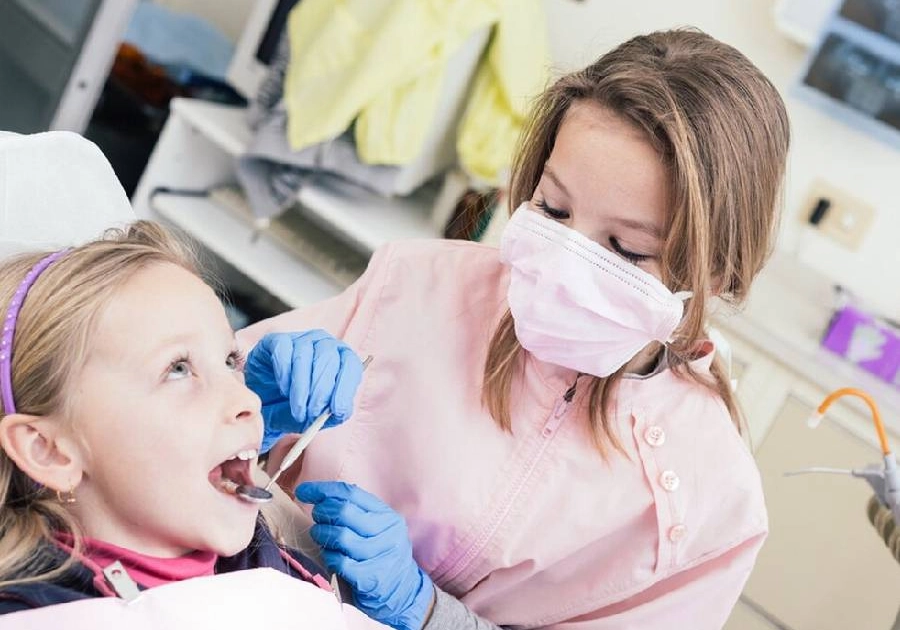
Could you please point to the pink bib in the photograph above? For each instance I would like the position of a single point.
(255, 598)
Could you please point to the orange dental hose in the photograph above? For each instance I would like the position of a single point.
(891, 472)
(876, 415)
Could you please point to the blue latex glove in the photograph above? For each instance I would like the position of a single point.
(298, 376)
(367, 544)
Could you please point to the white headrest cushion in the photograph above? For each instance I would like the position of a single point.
(56, 189)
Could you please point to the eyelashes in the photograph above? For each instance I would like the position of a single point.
(632, 257)
(561, 215)
(236, 360)
(179, 368)
(553, 213)
(182, 366)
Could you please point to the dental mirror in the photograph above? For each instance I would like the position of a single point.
(253, 494)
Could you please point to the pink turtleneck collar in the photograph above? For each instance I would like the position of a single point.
(147, 571)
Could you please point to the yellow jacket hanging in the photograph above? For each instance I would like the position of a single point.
(379, 65)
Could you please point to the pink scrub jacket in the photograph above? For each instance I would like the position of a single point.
(532, 528)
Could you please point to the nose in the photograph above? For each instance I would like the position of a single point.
(244, 404)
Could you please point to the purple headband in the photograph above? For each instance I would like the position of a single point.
(9, 328)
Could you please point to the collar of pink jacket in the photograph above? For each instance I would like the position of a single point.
(555, 378)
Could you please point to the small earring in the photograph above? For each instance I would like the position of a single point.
(68, 497)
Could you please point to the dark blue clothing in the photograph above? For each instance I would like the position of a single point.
(78, 582)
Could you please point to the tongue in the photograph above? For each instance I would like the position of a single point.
(237, 470)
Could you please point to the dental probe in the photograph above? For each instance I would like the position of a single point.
(255, 494)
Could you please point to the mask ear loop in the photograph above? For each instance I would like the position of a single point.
(683, 296)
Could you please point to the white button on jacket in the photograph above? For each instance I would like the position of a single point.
(655, 436)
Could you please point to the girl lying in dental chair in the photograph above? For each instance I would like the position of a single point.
(125, 426)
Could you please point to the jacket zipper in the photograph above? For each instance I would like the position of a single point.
(560, 409)
(461, 561)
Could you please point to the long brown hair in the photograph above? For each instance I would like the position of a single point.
(52, 338)
(722, 130)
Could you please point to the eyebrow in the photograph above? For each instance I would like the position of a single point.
(643, 226)
(169, 343)
(649, 228)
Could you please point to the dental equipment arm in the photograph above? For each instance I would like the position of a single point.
(889, 475)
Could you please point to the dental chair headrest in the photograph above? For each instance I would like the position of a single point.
(56, 189)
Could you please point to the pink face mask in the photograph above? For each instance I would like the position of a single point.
(575, 303)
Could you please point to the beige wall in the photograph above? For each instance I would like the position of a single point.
(822, 147)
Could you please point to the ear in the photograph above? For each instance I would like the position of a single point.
(41, 448)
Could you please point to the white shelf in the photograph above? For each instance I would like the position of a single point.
(263, 261)
(365, 218)
(362, 217)
(224, 125)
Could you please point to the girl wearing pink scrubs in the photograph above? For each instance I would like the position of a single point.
(546, 437)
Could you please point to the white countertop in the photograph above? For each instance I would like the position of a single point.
(786, 315)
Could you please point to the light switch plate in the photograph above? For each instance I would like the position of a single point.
(848, 218)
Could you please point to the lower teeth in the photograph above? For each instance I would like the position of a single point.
(227, 485)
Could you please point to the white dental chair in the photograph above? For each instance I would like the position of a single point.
(56, 189)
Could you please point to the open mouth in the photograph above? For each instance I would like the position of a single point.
(234, 471)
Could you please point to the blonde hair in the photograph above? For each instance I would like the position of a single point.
(722, 130)
(52, 339)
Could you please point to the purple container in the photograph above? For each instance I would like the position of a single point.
(866, 342)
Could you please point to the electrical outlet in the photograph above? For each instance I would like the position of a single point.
(836, 214)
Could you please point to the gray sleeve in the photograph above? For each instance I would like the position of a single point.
(451, 614)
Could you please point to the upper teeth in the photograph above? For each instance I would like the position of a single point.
(248, 454)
